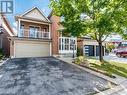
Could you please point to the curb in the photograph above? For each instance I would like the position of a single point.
(1, 63)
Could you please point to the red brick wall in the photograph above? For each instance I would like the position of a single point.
(80, 45)
(55, 34)
(4, 36)
(5, 42)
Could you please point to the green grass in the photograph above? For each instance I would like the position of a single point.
(109, 67)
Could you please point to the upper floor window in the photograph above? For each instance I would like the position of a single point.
(33, 32)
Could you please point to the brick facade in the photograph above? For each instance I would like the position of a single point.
(80, 45)
(5, 43)
(55, 34)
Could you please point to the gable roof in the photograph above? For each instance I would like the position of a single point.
(6, 25)
(35, 13)
(51, 13)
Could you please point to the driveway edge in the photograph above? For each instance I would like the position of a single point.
(1, 63)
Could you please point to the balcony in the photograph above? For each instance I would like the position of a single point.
(24, 33)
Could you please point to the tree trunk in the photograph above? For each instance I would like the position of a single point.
(100, 51)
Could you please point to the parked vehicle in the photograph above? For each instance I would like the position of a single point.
(122, 50)
(114, 50)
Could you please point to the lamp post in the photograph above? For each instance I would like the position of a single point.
(73, 51)
(73, 47)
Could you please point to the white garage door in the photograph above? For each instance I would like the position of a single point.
(32, 49)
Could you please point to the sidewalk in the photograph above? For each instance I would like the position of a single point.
(121, 89)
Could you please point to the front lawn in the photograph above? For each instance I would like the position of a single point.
(108, 68)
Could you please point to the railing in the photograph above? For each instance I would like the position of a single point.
(33, 34)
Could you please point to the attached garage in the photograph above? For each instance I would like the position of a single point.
(31, 49)
(91, 48)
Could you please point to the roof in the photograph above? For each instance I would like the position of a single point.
(51, 13)
(6, 25)
(35, 18)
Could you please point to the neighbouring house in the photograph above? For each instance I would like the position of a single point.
(5, 32)
(89, 47)
(38, 36)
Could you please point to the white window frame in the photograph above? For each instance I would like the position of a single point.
(62, 45)
(35, 32)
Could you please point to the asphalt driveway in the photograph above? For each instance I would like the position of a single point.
(46, 76)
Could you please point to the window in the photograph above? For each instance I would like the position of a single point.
(67, 44)
(34, 32)
(37, 32)
(44, 29)
(21, 31)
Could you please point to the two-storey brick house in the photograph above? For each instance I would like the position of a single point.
(34, 35)
(38, 36)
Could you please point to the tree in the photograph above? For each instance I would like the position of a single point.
(110, 46)
(94, 18)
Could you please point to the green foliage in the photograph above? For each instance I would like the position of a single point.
(1, 54)
(110, 47)
(80, 60)
(79, 53)
(107, 51)
(103, 16)
(96, 18)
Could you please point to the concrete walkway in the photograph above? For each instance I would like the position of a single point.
(121, 89)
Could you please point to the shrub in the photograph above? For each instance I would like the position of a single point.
(81, 60)
(110, 47)
(79, 52)
(1, 54)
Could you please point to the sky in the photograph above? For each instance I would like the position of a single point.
(21, 6)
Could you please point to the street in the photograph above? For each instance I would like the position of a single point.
(113, 57)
